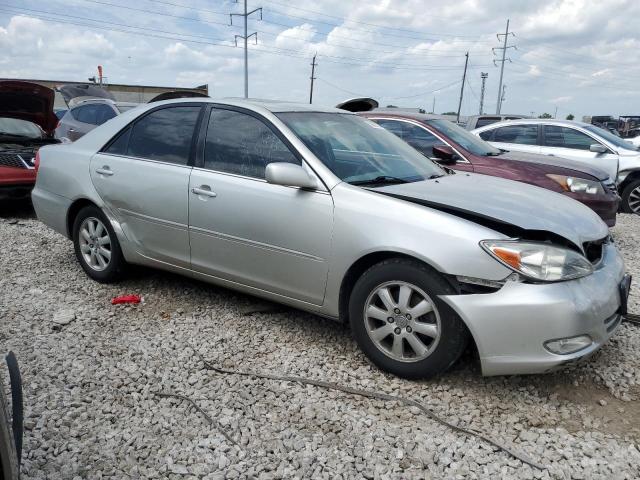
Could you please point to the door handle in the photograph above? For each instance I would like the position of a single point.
(72, 130)
(204, 190)
(105, 170)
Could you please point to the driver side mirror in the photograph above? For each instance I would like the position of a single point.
(445, 154)
(597, 148)
(289, 175)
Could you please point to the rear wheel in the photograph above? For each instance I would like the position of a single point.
(401, 324)
(96, 246)
(631, 198)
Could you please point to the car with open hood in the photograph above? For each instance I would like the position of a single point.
(577, 141)
(449, 144)
(89, 107)
(27, 122)
(326, 211)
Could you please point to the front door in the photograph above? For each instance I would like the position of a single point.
(245, 230)
(567, 142)
(143, 178)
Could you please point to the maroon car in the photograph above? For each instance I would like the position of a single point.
(450, 145)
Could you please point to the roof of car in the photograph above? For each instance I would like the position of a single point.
(403, 114)
(551, 121)
(276, 106)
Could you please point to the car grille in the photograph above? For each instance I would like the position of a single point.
(593, 250)
(612, 322)
(12, 160)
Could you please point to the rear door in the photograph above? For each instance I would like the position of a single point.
(518, 137)
(569, 142)
(142, 175)
(245, 230)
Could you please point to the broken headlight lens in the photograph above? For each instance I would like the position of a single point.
(539, 261)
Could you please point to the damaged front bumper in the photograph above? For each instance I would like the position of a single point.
(518, 328)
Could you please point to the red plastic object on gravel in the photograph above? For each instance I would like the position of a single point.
(126, 299)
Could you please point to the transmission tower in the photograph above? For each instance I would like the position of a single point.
(504, 58)
(483, 76)
(246, 37)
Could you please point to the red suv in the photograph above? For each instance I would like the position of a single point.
(450, 145)
(27, 122)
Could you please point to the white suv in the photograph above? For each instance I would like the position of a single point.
(577, 141)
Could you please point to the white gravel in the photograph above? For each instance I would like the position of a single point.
(91, 369)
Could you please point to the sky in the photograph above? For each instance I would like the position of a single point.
(581, 57)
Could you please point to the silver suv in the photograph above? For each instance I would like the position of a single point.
(87, 115)
(577, 141)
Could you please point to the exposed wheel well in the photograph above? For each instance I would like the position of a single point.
(361, 265)
(632, 176)
(73, 211)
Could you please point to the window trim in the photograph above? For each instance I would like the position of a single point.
(418, 124)
(584, 132)
(194, 136)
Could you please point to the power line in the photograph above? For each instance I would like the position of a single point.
(426, 93)
(340, 88)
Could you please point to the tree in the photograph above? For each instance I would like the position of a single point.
(449, 113)
(546, 115)
(570, 116)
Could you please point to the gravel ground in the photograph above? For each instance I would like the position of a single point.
(92, 413)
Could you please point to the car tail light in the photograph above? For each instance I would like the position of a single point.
(36, 163)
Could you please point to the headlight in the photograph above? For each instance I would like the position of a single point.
(539, 261)
(577, 185)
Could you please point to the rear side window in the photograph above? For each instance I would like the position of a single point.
(164, 135)
(243, 145)
(104, 113)
(519, 134)
(86, 114)
(486, 135)
(555, 136)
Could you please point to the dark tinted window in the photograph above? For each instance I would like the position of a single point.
(241, 144)
(420, 139)
(119, 145)
(486, 135)
(393, 126)
(86, 114)
(164, 135)
(481, 122)
(520, 134)
(564, 137)
(104, 113)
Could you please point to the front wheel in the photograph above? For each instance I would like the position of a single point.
(400, 323)
(96, 246)
(631, 198)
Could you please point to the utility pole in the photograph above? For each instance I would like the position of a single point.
(483, 76)
(504, 94)
(313, 71)
(464, 78)
(433, 108)
(555, 114)
(504, 59)
(246, 38)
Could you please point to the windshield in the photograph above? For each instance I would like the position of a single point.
(609, 137)
(466, 140)
(358, 150)
(19, 128)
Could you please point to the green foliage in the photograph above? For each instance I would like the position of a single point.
(570, 116)
(546, 115)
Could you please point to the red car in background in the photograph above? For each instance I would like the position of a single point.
(27, 122)
(451, 145)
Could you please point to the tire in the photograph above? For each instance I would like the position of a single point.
(631, 198)
(442, 335)
(100, 260)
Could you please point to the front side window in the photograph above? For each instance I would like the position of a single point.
(164, 135)
(519, 134)
(243, 145)
(357, 150)
(416, 136)
(463, 138)
(563, 137)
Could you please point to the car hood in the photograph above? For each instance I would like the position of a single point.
(28, 101)
(512, 208)
(72, 94)
(557, 162)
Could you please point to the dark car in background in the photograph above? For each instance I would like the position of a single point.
(27, 122)
(451, 145)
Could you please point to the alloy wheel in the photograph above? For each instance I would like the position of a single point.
(402, 321)
(634, 200)
(95, 244)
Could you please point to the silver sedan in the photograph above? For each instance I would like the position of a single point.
(328, 212)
